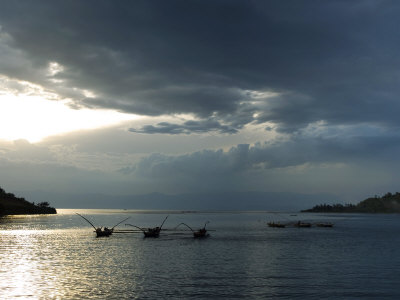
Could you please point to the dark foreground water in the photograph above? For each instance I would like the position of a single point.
(59, 257)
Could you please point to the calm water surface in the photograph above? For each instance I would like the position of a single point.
(59, 257)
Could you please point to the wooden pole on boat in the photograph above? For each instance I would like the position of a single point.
(185, 225)
(164, 222)
(136, 227)
(120, 223)
(87, 221)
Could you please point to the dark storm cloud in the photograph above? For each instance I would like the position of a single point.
(335, 61)
(187, 127)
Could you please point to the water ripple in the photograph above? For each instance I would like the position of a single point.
(54, 258)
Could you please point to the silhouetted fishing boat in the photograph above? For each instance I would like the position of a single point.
(202, 232)
(277, 225)
(100, 231)
(103, 232)
(150, 232)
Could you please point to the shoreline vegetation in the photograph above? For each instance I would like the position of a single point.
(389, 203)
(12, 205)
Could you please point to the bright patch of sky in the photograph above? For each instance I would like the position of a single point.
(34, 118)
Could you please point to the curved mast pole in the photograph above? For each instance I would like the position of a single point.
(136, 227)
(186, 226)
(120, 223)
(87, 221)
(164, 222)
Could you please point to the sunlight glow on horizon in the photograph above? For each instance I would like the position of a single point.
(33, 118)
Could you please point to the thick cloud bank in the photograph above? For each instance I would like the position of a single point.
(279, 96)
(324, 61)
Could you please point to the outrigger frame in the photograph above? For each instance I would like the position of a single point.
(151, 232)
(99, 230)
(201, 233)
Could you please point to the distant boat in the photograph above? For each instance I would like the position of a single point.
(201, 233)
(150, 232)
(277, 225)
(100, 231)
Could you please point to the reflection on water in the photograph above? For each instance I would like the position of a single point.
(27, 264)
(58, 257)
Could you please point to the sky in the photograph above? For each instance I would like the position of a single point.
(221, 104)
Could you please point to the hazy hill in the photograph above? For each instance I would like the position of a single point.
(12, 205)
(237, 201)
(389, 203)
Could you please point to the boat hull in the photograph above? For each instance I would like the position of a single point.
(102, 233)
(152, 232)
(202, 233)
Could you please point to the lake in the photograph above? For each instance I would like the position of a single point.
(59, 257)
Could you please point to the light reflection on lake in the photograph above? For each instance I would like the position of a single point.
(59, 257)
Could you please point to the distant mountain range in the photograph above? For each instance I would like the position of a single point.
(12, 205)
(389, 203)
(223, 201)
